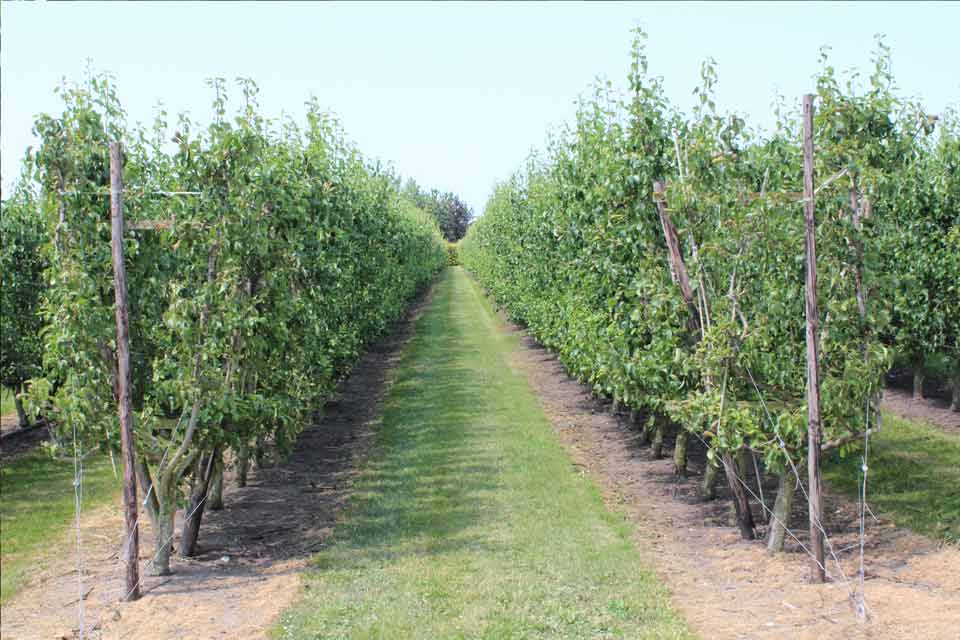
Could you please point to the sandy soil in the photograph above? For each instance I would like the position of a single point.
(727, 588)
(251, 552)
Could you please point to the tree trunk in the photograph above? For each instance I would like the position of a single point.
(955, 386)
(780, 520)
(160, 502)
(918, 382)
(215, 492)
(741, 501)
(636, 420)
(680, 454)
(742, 470)
(22, 420)
(243, 464)
(643, 438)
(193, 513)
(659, 427)
(708, 488)
(259, 453)
(149, 495)
(163, 533)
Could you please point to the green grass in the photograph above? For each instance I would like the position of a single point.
(914, 475)
(36, 510)
(468, 519)
(6, 401)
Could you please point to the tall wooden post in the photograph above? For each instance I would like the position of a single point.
(813, 349)
(131, 552)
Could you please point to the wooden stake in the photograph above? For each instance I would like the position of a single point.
(678, 270)
(818, 573)
(131, 552)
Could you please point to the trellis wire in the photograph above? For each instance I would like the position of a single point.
(132, 191)
(77, 508)
(858, 601)
(862, 611)
(166, 542)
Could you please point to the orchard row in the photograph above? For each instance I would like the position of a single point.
(262, 258)
(685, 301)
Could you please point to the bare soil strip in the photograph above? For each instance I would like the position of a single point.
(935, 411)
(16, 442)
(727, 588)
(251, 552)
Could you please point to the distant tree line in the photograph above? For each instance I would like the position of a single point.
(452, 214)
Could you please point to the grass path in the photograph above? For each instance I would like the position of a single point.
(468, 520)
(37, 509)
(914, 476)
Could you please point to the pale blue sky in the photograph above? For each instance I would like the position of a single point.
(454, 95)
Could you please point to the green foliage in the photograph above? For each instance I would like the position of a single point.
(21, 283)
(573, 247)
(452, 214)
(923, 244)
(453, 258)
(284, 255)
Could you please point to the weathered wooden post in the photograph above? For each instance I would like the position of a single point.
(131, 551)
(818, 573)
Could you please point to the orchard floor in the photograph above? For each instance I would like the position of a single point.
(730, 589)
(935, 411)
(463, 486)
(251, 553)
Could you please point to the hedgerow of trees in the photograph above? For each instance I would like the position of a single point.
(22, 265)
(262, 257)
(452, 214)
(575, 246)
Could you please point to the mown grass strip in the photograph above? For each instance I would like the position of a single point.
(37, 510)
(913, 476)
(468, 520)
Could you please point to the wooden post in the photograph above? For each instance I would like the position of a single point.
(678, 269)
(813, 349)
(131, 551)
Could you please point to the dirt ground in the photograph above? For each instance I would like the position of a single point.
(730, 589)
(15, 442)
(251, 552)
(934, 410)
(8, 423)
